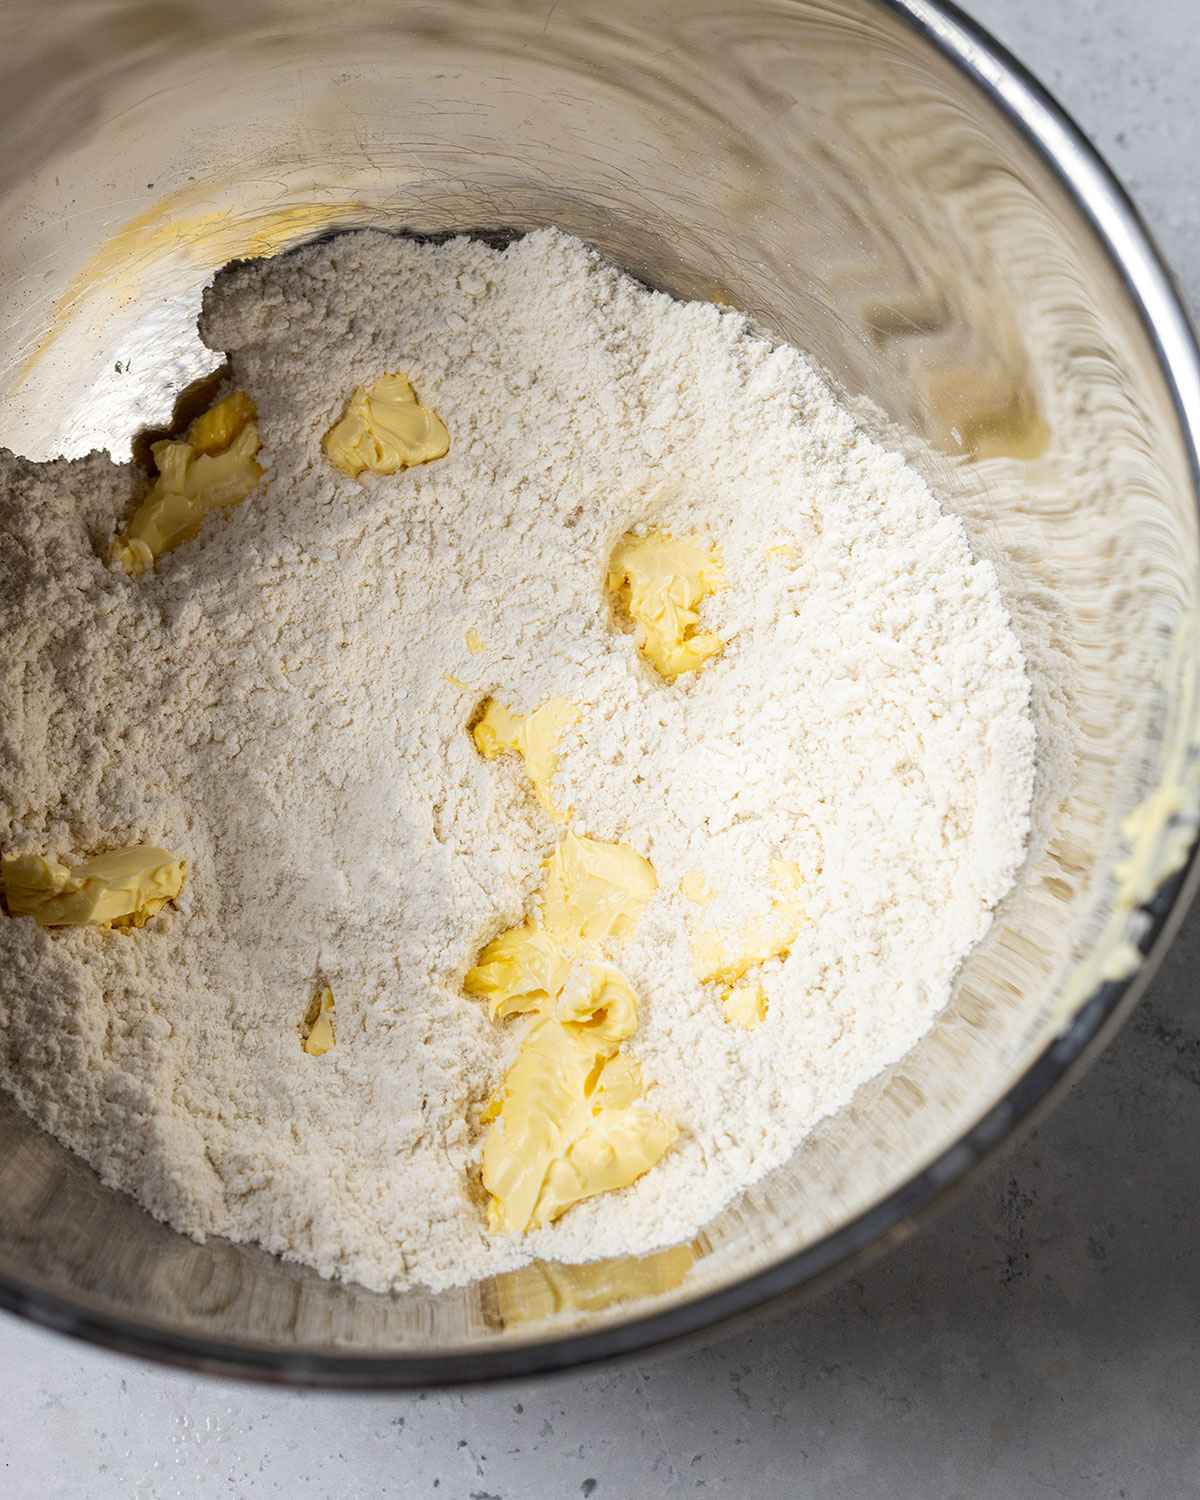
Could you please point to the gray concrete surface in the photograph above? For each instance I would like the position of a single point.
(1043, 1339)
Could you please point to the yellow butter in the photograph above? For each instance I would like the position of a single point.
(565, 1123)
(723, 958)
(786, 550)
(745, 1005)
(598, 1003)
(523, 969)
(215, 429)
(618, 1147)
(213, 468)
(317, 1031)
(475, 642)
(594, 892)
(696, 888)
(659, 582)
(385, 429)
(620, 1084)
(563, 1130)
(122, 888)
(534, 737)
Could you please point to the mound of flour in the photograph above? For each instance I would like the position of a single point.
(284, 701)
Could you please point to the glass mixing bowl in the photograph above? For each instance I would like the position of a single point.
(872, 179)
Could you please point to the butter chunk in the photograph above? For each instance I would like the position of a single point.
(566, 1123)
(786, 550)
(599, 1004)
(542, 1108)
(213, 468)
(659, 582)
(615, 1149)
(594, 892)
(695, 887)
(122, 888)
(523, 969)
(561, 1129)
(620, 1084)
(745, 1005)
(215, 430)
(534, 737)
(317, 1032)
(724, 958)
(385, 429)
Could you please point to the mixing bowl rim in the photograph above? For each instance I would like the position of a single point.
(1130, 248)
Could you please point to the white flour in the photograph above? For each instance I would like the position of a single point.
(273, 703)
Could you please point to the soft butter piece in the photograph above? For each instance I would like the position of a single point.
(694, 887)
(213, 468)
(522, 970)
(318, 1033)
(600, 1004)
(534, 737)
(215, 430)
(617, 1147)
(659, 582)
(562, 1130)
(122, 888)
(745, 1005)
(566, 1123)
(724, 958)
(594, 892)
(786, 550)
(385, 429)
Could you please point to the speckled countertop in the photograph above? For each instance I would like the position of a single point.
(1042, 1339)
